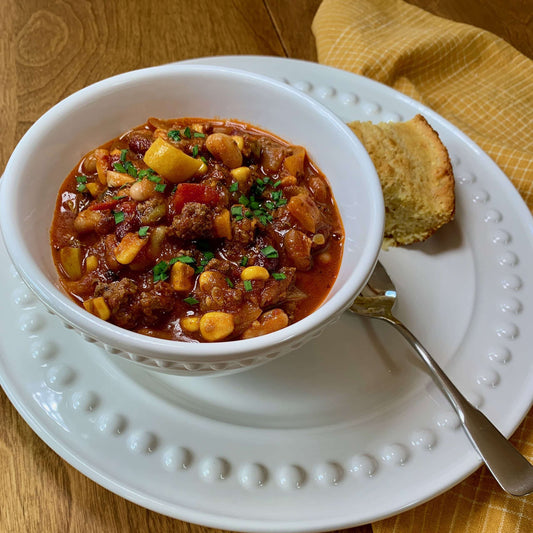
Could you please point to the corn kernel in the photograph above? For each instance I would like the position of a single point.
(101, 308)
(252, 273)
(98, 307)
(216, 325)
(241, 174)
(91, 263)
(319, 239)
(239, 140)
(191, 323)
(181, 277)
(128, 248)
(222, 225)
(116, 151)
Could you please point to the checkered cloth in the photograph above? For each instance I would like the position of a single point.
(485, 87)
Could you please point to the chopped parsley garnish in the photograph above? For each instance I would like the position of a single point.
(160, 271)
(187, 132)
(243, 200)
(279, 275)
(174, 135)
(195, 150)
(277, 184)
(203, 159)
(244, 260)
(236, 211)
(123, 154)
(230, 283)
(203, 262)
(146, 173)
(119, 216)
(160, 187)
(81, 181)
(247, 285)
(118, 197)
(188, 260)
(269, 252)
(126, 167)
(155, 179)
(234, 187)
(190, 300)
(198, 135)
(143, 231)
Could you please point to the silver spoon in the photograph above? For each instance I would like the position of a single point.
(512, 470)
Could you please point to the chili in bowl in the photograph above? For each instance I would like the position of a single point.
(197, 245)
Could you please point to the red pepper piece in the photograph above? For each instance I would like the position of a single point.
(194, 192)
(102, 206)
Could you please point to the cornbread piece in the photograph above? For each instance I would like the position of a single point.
(416, 176)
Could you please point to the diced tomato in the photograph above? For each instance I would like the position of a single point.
(194, 192)
(102, 206)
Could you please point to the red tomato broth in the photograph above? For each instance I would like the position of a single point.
(192, 215)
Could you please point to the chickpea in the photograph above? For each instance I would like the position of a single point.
(225, 148)
(89, 164)
(216, 325)
(142, 190)
(87, 220)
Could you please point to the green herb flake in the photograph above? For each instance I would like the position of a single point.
(279, 275)
(203, 159)
(119, 216)
(187, 132)
(244, 260)
(160, 187)
(269, 252)
(234, 187)
(198, 135)
(119, 167)
(123, 154)
(143, 231)
(236, 211)
(186, 259)
(118, 197)
(243, 200)
(81, 181)
(174, 135)
(247, 285)
(173, 260)
(190, 300)
(230, 283)
(145, 173)
(155, 179)
(194, 151)
(160, 271)
(277, 184)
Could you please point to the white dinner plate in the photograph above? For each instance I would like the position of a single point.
(344, 431)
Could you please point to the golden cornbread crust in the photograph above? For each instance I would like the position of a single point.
(416, 177)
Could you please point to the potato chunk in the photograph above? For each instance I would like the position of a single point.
(170, 162)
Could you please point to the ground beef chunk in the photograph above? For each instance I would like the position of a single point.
(272, 154)
(275, 291)
(194, 222)
(157, 303)
(152, 210)
(120, 297)
(243, 231)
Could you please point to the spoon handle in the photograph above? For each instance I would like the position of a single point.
(511, 469)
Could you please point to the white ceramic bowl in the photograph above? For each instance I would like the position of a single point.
(96, 114)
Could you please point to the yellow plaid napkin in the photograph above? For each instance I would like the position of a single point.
(485, 87)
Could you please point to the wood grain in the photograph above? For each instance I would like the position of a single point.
(48, 50)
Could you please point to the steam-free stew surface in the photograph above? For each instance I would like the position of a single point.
(197, 230)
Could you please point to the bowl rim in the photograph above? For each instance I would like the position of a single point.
(178, 351)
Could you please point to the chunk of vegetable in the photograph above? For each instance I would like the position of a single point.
(216, 325)
(294, 163)
(170, 162)
(253, 273)
(222, 225)
(224, 148)
(268, 322)
(298, 248)
(98, 306)
(181, 277)
(194, 192)
(128, 248)
(70, 258)
(303, 208)
(118, 179)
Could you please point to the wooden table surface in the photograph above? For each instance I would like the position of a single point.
(48, 50)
